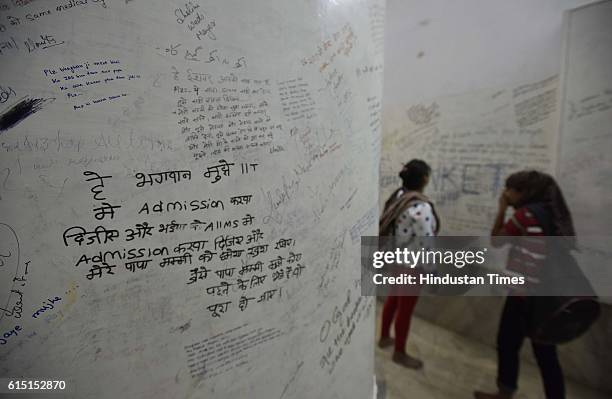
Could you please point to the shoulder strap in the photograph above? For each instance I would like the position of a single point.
(392, 198)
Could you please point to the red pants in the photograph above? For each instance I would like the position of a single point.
(401, 307)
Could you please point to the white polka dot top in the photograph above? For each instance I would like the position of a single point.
(417, 220)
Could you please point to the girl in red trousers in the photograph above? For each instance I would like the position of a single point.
(407, 213)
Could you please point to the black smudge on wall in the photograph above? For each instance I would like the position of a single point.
(20, 111)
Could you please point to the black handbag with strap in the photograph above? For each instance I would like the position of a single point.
(558, 319)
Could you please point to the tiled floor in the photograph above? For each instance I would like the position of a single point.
(454, 367)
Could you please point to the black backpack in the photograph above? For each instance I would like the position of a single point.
(555, 319)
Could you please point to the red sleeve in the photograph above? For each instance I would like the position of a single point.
(517, 224)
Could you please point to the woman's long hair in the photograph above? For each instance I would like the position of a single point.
(538, 187)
